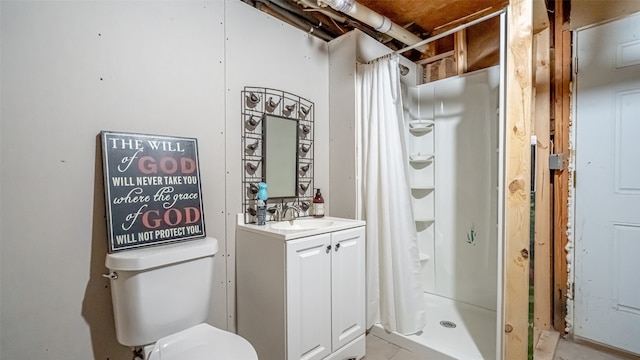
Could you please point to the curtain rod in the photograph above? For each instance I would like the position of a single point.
(449, 32)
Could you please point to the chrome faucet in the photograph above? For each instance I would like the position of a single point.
(292, 207)
(276, 213)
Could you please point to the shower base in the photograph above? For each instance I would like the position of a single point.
(473, 337)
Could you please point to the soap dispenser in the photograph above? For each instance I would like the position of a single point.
(261, 216)
(318, 204)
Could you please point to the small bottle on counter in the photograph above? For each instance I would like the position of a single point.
(261, 216)
(318, 204)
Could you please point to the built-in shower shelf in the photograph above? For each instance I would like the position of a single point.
(424, 257)
(423, 187)
(425, 219)
(418, 158)
(421, 126)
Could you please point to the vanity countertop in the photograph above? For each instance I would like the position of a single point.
(300, 227)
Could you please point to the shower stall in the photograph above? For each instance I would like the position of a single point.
(452, 139)
(454, 145)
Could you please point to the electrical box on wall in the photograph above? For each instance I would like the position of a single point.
(556, 161)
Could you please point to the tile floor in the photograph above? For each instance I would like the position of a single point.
(568, 350)
(469, 340)
(378, 349)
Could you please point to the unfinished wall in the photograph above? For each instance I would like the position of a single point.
(72, 69)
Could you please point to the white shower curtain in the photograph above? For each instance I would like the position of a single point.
(394, 292)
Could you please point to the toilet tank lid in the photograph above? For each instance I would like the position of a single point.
(151, 257)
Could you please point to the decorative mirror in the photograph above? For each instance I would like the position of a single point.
(277, 145)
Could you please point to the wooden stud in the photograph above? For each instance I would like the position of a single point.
(545, 348)
(519, 88)
(562, 80)
(431, 50)
(543, 235)
(460, 48)
(540, 16)
(442, 69)
(435, 58)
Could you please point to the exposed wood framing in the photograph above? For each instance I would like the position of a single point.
(543, 214)
(519, 84)
(435, 58)
(562, 83)
(431, 50)
(460, 48)
(540, 16)
(439, 69)
(483, 44)
(459, 20)
(545, 348)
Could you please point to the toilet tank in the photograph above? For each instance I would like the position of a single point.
(161, 290)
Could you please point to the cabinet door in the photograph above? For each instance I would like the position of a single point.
(348, 286)
(309, 298)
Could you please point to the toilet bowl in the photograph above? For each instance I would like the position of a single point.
(201, 342)
(161, 296)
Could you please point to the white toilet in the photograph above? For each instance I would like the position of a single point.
(160, 302)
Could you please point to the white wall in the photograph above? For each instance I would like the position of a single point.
(71, 69)
(269, 54)
(342, 132)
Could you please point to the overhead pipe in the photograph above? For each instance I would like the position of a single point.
(288, 17)
(290, 7)
(379, 22)
(311, 6)
(335, 16)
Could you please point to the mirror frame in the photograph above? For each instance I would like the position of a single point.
(256, 104)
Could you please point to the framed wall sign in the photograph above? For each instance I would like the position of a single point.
(152, 189)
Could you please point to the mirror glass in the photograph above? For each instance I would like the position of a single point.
(280, 153)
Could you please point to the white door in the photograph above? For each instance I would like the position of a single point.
(607, 201)
(348, 286)
(309, 298)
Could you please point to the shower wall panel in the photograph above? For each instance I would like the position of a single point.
(420, 142)
(461, 242)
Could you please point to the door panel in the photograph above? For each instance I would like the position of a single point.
(309, 298)
(626, 247)
(348, 287)
(627, 146)
(607, 193)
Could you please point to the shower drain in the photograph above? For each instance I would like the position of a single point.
(448, 324)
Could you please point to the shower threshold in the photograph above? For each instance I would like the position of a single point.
(468, 333)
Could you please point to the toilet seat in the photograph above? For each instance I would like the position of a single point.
(202, 342)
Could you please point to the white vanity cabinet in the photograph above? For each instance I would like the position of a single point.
(304, 297)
